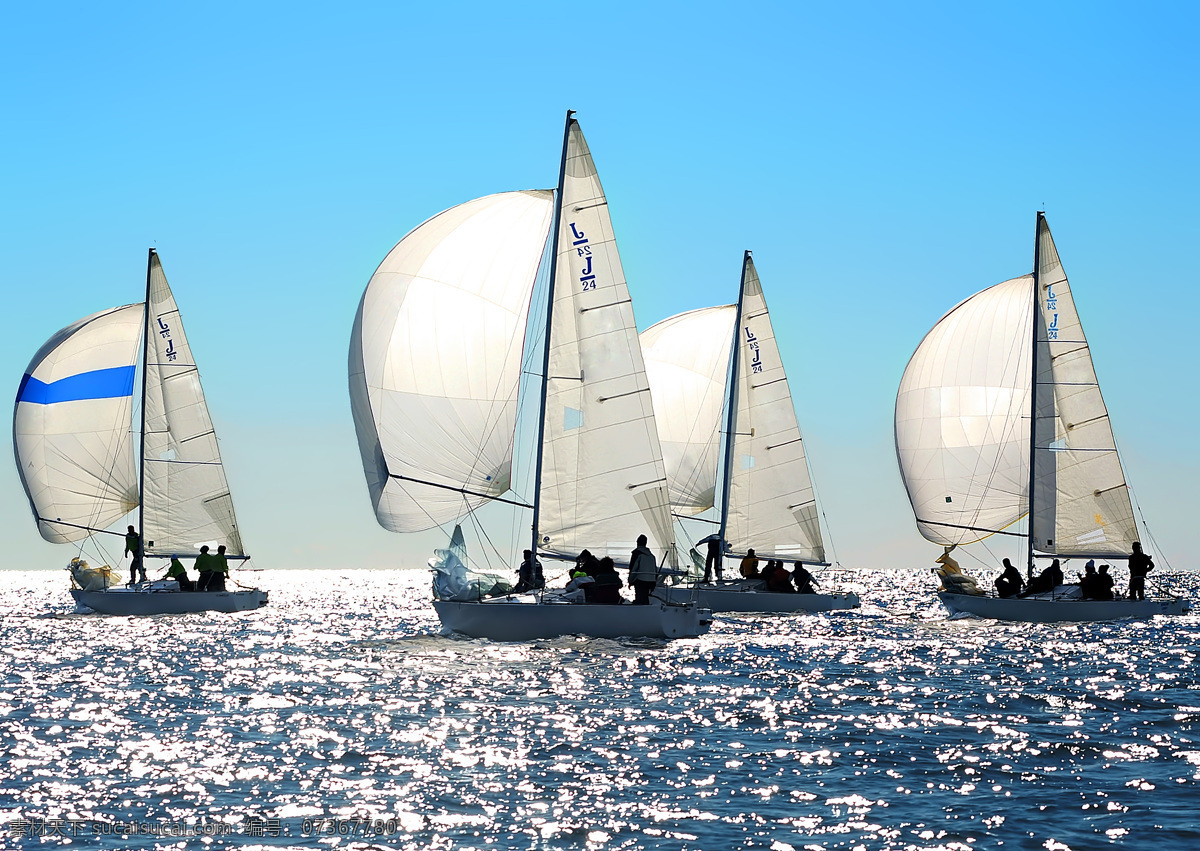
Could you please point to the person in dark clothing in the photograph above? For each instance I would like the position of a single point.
(1139, 565)
(1009, 583)
(529, 575)
(805, 584)
(643, 572)
(133, 547)
(713, 559)
(1047, 580)
(607, 589)
(1088, 588)
(780, 581)
(1104, 584)
(587, 563)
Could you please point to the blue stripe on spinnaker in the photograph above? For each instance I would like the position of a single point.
(97, 384)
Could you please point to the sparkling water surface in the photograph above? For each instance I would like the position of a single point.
(338, 717)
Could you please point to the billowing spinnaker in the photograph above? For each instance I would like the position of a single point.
(71, 425)
(687, 364)
(435, 358)
(962, 417)
(1081, 503)
(772, 505)
(186, 500)
(603, 479)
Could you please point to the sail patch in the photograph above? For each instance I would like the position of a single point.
(98, 384)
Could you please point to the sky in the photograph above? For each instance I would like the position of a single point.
(883, 161)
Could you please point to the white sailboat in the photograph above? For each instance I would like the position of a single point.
(979, 451)
(435, 364)
(717, 358)
(74, 444)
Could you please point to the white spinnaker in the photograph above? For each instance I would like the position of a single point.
(1081, 503)
(435, 358)
(71, 425)
(185, 498)
(772, 505)
(687, 365)
(603, 478)
(962, 417)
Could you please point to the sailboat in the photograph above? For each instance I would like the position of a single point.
(75, 451)
(999, 417)
(726, 358)
(435, 366)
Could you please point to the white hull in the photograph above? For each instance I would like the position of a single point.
(524, 619)
(139, 601)
(1045, 610)
(742, 596)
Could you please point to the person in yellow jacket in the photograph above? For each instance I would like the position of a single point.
(749, 567)
(176, 571)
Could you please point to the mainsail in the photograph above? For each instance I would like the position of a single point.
(603, 480)
(71, 425)
(185, 495)
(963, 422)
(771, 503)
(435, 358)
(687, 364)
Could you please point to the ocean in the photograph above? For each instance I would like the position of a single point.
(337, 716)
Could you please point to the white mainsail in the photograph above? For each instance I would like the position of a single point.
(1081, 503)
(687, 364)
(772, 506)
(71, 425)
(185, 496)
(435, 358)
(603, 479)
(962, 417)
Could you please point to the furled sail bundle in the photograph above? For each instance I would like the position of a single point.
(185, 496)
(687, 364)
(72, 425)
(603, 481)
(435, 358)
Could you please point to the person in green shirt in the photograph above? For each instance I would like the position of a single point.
(176, 571)
(204, 569)
(220, 570)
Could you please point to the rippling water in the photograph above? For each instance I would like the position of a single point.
(339, 711)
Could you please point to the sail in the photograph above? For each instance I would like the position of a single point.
(185, 497)
(1081, 503)
(603, 479)
(962, 417)
(71, 425)
(435, 358)
(687, 364)
(772, 505)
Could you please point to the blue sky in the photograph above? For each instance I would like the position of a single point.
(883, 162)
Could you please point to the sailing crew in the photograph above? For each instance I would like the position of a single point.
(805, 584)
(529, 575)
(713, 559)
(780, 580)
(1139, 565)
(1009, 583)
(1104, 584)
(643, 572)
(220, 571)
(749, 567)
(608, 583)
(176, 571)
(1088, 588)
(1047, 580)
(579, 586)
(204, 569)
(133, 547)
(587, 563)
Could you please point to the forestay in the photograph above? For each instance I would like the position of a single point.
(435, 358)
(1081, 503)
(687, 365)
(962, 417)
(71, 425)
(185, 495)
(772, 507)
(603, 480)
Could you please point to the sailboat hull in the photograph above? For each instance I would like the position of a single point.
(124, 601)
(514, 620)
(747, 597)
(1032, 610)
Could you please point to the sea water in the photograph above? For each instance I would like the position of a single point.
(338, 717)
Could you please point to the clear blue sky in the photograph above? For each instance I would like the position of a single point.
(883, 161)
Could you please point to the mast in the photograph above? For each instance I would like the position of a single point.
(541, 429)
(142, 447)
(731, 405)
(1037, 263)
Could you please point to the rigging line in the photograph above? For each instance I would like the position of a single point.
(91, 529)
(456, 490)
(972, 528)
